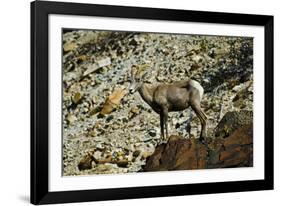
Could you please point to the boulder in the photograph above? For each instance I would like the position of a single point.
(232, 121)
(178, 154)
(236, 150)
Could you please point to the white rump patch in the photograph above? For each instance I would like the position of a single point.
(196, 85)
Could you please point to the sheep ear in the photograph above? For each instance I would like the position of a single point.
(133, 72)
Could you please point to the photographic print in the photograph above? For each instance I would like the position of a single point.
(147, 102)
(135, 102)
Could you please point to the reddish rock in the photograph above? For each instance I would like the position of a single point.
(178, 154)
(241, 136)
(235, 150)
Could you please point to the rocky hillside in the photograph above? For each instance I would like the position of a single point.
(103, 122)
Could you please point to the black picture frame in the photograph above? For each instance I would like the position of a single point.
(40, 109)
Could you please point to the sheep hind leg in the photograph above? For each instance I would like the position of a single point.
(203, 119)
(188, 122)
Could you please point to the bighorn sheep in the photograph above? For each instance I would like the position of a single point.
(165, 98)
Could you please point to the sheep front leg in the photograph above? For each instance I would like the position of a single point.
(162, 125)
(165, 118)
